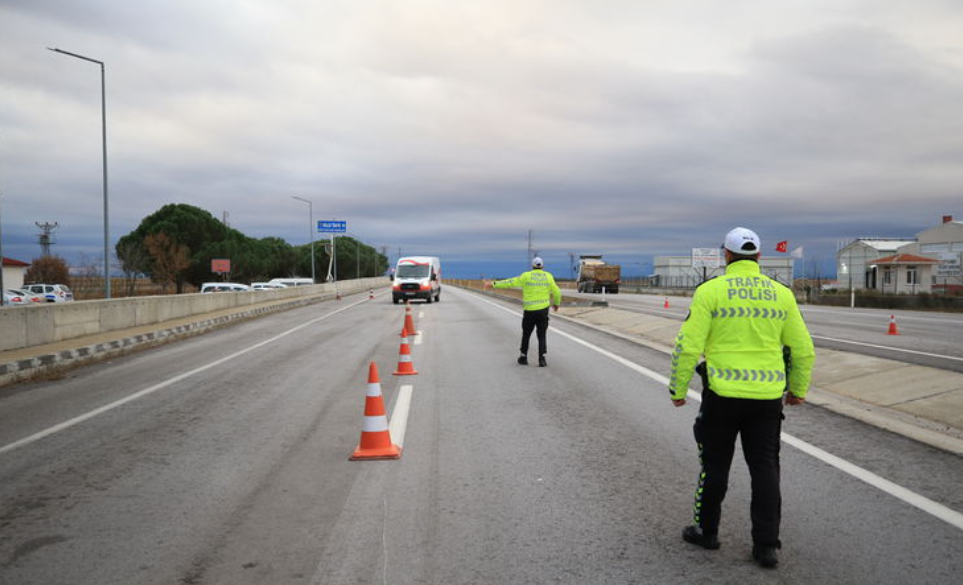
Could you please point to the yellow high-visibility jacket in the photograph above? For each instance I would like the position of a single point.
(741, 321)
(538, 289)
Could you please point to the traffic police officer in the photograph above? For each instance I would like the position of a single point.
(750, 330)
(539, 291)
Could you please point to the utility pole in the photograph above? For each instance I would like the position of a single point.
(530, 256)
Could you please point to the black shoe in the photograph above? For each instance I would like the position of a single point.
(694, 535)
(541, 361)
(765, 556)
(523, 360)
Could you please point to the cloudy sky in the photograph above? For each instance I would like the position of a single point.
(632, 128)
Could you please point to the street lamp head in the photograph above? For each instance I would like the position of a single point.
(61, 51)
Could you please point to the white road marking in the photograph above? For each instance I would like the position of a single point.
(886, 347)
(421, 314)
(419, 337)
(169, 382)
(399, 415)
(935, 509)
(889, 348)
(881, 315)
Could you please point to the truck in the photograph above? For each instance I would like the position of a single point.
(594, 274)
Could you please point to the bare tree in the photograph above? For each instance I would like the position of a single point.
(88, 280)
(134, 261)
(170, 259)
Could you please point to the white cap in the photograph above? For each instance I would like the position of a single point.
(742, 241)
(537, 262)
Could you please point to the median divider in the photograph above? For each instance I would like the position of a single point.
(43, 339)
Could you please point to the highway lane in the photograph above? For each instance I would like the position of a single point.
(925, 338)
(581, 472)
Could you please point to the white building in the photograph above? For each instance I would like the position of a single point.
(13, 271)
(944, 244)
(677, 271)
(902, 273)
(929, 262)
(853, 261)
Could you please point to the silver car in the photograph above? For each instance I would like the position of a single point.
(15, 296)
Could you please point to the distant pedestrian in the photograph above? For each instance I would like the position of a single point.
(539, 292)
(750, 330)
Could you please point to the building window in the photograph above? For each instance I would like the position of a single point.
(911, 275)
(887, 275)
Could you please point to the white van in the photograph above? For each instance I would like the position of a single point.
(292, 281)
(417, 277)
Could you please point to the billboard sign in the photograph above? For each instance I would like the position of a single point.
(949, 265)
(706, 258)
(220, 265)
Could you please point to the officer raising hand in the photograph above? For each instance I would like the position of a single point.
(539, 291)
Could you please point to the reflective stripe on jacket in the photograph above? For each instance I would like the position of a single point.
(538, 289)
(741, 321)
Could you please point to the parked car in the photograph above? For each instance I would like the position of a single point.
(292, 281)
(212, 287)
(15, 296)
(267, 285)
(53, 293)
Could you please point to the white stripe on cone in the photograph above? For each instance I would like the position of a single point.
(375, 424)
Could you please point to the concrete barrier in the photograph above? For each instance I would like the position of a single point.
(27, 326)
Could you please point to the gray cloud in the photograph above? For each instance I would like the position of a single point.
(455, 128)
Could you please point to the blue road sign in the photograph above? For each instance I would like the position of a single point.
(332, 227)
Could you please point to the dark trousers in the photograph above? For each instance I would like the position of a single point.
(759, 423)
(537, 320)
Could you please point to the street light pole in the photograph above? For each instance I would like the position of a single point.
(310, 230)
(103, 126)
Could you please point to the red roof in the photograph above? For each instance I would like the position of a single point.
(906, 259)
(12, 262)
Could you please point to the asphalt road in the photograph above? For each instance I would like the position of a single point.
(925, 338)
(227, 462)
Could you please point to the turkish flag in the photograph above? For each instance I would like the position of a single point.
(782, 246)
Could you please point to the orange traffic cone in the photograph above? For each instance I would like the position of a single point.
(665, 305)
(375, 439)
(892, 326)
(409, 323)
(405, 367)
